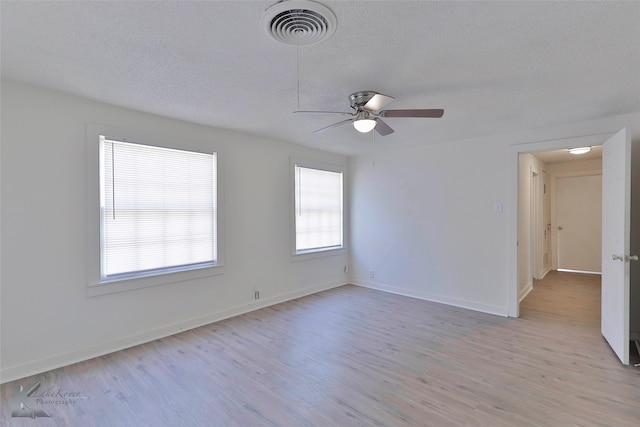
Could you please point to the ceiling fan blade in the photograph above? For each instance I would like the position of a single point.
(377, 101)
(432, 113)
(382, 128)
(324, 112)
(332, 126)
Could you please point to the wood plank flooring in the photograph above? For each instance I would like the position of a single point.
(358, 357)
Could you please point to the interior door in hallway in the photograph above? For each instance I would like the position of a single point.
(546, 223)
(616, 224)
(579, 218)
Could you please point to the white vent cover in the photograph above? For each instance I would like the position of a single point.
(299, 22)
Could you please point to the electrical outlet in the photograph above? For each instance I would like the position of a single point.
(256, 295)
(371, 274)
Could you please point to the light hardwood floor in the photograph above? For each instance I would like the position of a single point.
(358, 357)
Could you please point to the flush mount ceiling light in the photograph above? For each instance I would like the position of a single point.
(363, 122)
(579, 150)
(299, 22)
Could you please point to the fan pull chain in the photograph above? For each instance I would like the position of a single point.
(373, 141)
(298, 72)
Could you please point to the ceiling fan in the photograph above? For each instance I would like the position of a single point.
(367, 113)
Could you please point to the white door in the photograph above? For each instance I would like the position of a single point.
(546, 223)
(616, 212)
(579, 218)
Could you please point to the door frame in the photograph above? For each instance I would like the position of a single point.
(513, 304)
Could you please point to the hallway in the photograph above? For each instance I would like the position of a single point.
(570, 302)
(565, 297)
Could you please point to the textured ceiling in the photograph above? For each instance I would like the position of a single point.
(494, 67)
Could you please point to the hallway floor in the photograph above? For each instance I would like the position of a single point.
(570, 299)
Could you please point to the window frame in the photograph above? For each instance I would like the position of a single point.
(96, 284)
(306, 254)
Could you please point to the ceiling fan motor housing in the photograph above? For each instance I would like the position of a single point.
(359, 99)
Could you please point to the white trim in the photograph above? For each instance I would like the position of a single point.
(580, 271)
(34, 367)
(307, 256)
(105, 288)
(535, 221)
(545, 272)
(426, 296)
(525, 291)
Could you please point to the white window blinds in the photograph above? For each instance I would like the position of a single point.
(158, 209)
(318, 204)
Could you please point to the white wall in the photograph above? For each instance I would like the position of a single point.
(423, 217)
(423, 220)
(47, 320)
(575, 168)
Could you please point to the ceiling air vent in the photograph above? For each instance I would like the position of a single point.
(299, 22)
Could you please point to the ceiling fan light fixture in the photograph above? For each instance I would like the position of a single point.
(364, 125)
(367, 113)
(579, 150)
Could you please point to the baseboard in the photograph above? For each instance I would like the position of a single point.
(470, 305)
(544, 273)
(525, 291)
(39, 366)
(580, 271)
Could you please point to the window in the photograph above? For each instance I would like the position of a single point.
(158, 213)
(318, 208)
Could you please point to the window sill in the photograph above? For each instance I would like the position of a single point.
(322, 253)
(123, 285)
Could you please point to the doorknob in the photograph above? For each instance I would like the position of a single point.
(625, 258)
(559, 228)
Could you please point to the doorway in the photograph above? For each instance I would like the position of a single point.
(616, 282)
(520, 270)
(560, 215)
